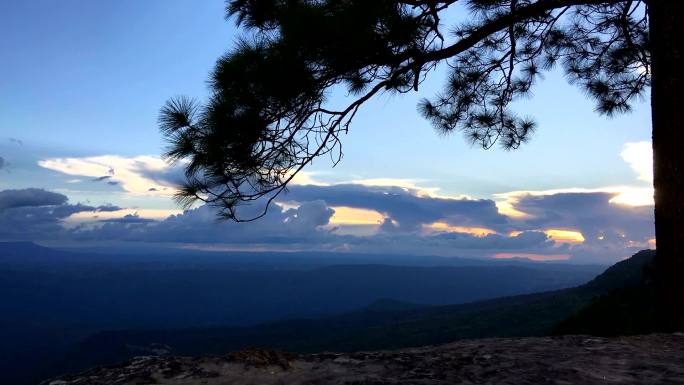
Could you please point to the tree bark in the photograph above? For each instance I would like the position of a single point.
(667, 106)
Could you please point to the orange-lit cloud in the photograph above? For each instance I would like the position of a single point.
(565, 236)
(507, 208)
(534, 257)
(355, 216)
(445, 227)
(649, 244)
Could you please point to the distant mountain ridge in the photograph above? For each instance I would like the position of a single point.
(52, 299)
(18, 253)
(385, 324)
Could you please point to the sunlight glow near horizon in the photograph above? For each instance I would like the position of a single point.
(532, 256)
(445, 227)
(565, 236)
(345, 215)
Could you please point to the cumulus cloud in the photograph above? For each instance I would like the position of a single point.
(639, 156)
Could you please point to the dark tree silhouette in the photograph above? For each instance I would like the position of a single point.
(268, 116)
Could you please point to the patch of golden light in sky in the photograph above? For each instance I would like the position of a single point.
(355, 216)
(506, 208)
(445, 227)
(534, 257)
(129, 173)
(93, 216)
(564, 236)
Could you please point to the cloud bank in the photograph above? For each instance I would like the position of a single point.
(365, 215)
(411, 224)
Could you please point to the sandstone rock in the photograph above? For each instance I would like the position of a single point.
(651, 359)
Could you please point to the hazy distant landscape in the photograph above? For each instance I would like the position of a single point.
(54, 299)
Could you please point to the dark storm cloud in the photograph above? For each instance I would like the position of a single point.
(29, 197)
(34, 214)
(407, 209)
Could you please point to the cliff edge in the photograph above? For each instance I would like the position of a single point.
(647, 359)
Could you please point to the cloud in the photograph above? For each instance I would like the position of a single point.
(609, 229)
(136, 175)
(639, 156)
(37, 214)
(591, 213)
(586, 226)
(128, 219)
(301, 225)
(405, 208)
(624, 195)
(3, 163)
(30, 197)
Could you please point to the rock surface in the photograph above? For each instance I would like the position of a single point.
(651, 359)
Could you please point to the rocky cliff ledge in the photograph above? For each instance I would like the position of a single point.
(651, 359)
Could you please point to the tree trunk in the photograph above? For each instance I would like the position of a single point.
(667, 106)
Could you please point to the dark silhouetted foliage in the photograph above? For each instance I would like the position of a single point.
(268, 115)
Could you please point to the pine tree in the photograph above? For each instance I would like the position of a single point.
(268, 117)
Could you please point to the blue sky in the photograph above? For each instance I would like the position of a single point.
(82, 82)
